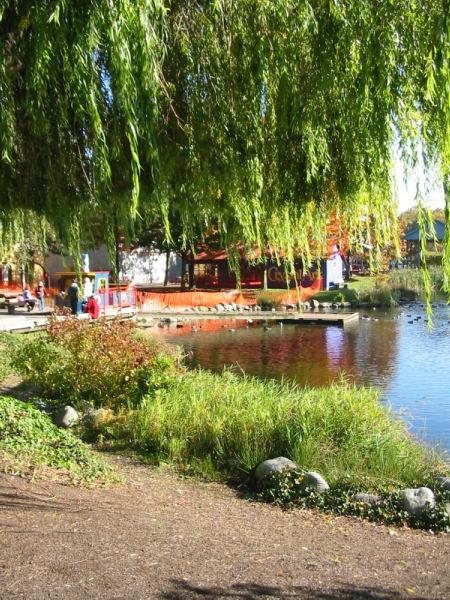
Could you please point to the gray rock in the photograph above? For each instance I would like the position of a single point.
(415, 500)
(371, 499)
(42, 406)
(66, 416)
(314, 480)
(273, 465)
(95, 416)
(325, 305)
(314, 303)
(443, 483)
(346, 304)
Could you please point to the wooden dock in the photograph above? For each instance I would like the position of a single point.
(25, 322)
(342, 319)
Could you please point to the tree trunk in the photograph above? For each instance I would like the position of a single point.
(183, 271)
(191, 272)
(166, 273)
(265, 276)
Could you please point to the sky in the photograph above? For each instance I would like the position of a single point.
(406, 190)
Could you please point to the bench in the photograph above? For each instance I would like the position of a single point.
(14, 302)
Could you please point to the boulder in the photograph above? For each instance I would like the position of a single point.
(273, 465)
(415, 500)
(314, 303)
(97, 416)
(443, 483)
(42, 406)
(371, 499)
(325, 305)
(315, 481)
(66, 416)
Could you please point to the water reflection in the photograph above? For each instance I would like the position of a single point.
(406, 361)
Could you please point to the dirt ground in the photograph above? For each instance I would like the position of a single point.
(160, 536)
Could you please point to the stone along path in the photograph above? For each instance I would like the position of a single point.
(159, 536)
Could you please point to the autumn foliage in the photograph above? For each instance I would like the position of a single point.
(98, 363)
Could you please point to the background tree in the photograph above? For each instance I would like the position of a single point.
(254, 117)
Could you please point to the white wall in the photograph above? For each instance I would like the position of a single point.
(140, 266)
(148, 266)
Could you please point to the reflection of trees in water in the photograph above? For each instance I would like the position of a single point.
(375, 352)
(313, 355)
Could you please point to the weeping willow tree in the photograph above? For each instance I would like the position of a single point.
(254, 119)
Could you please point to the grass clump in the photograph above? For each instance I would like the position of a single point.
(409, 283)
(29, 441)
(269, 299)
(226, 424)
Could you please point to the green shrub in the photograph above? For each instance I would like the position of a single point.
(99, 363)
(379, 296)
(9, 343)
(229, 423)
(29, 440)
(285, 489)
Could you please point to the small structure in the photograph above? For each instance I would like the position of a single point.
(412, 239)
(110, 299)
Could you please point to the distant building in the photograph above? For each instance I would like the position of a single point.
(412, 239)
(140, 266)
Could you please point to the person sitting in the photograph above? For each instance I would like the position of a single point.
(28, 300)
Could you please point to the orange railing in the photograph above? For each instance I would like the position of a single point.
(117, 297)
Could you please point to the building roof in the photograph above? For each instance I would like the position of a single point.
(413, 234)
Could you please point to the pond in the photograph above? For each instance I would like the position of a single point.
(392, 350)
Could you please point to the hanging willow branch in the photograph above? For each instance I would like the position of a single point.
(252, 118)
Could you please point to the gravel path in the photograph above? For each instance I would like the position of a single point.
(159, 536)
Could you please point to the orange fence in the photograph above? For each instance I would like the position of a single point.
(177, 300)
(174, 300)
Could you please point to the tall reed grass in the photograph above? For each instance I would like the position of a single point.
(410, 281)
(226, 424)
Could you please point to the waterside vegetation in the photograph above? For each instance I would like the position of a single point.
(30, 443)
(388, 289)
(217, 426)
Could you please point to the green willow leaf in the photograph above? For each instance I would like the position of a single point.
(250, 118)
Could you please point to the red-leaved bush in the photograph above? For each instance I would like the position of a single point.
(102, 363)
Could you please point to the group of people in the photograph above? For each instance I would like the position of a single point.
(39, 296)
(89, 303)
